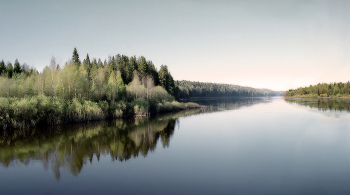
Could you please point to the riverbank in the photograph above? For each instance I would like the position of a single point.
(321, 96)
(44, 110)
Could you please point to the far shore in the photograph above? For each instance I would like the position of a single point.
(319, 97)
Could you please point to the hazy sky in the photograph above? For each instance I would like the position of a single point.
(265, 44)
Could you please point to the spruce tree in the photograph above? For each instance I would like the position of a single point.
(142, 66)
(17, 67)
(87, 63)
(2, 67)
(163, 76)
(75, 57)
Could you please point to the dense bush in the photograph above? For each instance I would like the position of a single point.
(173, 106)
(141, 106)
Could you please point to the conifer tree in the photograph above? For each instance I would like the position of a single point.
(93, 69)
(87, 63)
(166, 80)
(2, 67)
(75, 57)
(142, 66)
(99, 63)
(17, 67)
(163, 76)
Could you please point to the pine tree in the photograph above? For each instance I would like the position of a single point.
(75, 57)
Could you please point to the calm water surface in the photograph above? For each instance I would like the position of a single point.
(238, 146)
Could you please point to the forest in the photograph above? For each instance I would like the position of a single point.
(84, 90)
(190, 89)
(322, 90)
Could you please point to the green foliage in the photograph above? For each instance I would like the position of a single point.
(120, 109)
(2, 67)
(174, 106)
(17, 67)
(75, 57)
(321, 90)
(159, 94)
(189, 89)
(87, 63)
(92, 91)
(141, 106)
(166, 80)
(9, 70)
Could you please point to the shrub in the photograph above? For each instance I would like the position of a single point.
(141, 106)
(118, 109)
(91, 111)
(190, 105)
(159, 94)
(103, 105)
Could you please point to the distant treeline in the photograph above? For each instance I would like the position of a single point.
(84, 90)
(321, 90)
(189, 89)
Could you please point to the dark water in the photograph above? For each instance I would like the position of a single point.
(239, 146)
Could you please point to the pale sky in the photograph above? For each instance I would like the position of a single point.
(264, 44)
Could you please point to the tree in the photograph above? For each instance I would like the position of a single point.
(9, 69)
(171, 85)
(163, 76)
(2, 67)
(120, 84)
(26, 69)
(136, 85)
(53, 67)
(93, 69)
(17, 67)
(75, 57)
(99, 63)
(142, 66)
(149, 85)
(87, 63)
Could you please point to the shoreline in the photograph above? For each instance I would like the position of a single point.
(319, 97)
(42, 125)
(223, 98)
(22, 113)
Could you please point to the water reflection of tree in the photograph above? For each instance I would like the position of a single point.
(71, 147)
(322, 104)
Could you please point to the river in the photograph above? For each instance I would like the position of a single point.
(231, 146)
